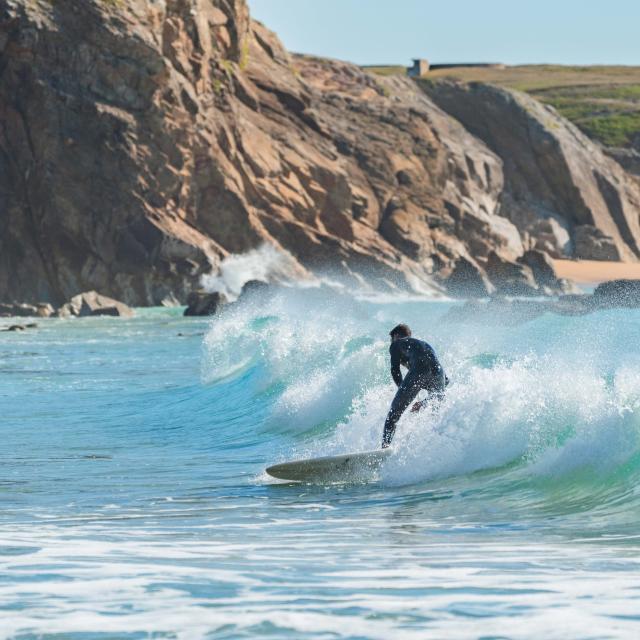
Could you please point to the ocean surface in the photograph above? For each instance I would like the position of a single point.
(134, 502)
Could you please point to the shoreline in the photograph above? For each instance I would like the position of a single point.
(594, 272)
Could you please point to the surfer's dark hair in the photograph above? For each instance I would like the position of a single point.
(401, 330)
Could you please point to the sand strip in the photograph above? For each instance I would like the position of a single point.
(593, 271)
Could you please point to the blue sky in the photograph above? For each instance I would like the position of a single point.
(510, 31)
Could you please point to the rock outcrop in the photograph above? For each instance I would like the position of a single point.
(629, 159)
(142, 142)
(91, 303)
(512, 278)
(555, 177)
(202, 303)
(21, 309)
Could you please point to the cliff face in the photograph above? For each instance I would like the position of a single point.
(143, 141)
(562, 192)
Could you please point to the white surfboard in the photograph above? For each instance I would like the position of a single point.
(343, 468)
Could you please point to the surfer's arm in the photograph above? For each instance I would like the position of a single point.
(395, 365)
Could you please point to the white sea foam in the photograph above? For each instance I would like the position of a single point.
(266, 264)
(555, 408)
(196, 589)
(168, 535)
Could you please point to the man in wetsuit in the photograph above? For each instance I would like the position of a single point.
(425, 372)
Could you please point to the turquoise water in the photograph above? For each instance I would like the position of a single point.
(135, 504)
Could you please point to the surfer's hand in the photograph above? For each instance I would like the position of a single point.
(416, 407)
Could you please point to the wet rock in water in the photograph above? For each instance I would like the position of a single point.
(18, 309)
(468, 280)
(608, 295)
(203, 303)
(617, 293)
(15, 309)
(511, 278)
(44, 310)
(541, 266)
(91, 303)
(256, 288)
(253, 286)
(20, 327)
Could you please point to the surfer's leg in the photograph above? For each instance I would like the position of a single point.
(405, 395)
(435, 388)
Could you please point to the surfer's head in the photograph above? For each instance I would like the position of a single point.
(400, 331)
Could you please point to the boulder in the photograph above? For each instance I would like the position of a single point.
(44, 310)
(256, 289)
(608, 295)
(510, 278)
(618, 293)
(542, 268)
(91, 303)
(203, 303)
(20, 327)
(16, 309)
(468, 280)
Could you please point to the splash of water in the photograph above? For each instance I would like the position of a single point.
(265, 264)
(555, 396)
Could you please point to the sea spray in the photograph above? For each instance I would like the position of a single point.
(266, 264)
(549, 395)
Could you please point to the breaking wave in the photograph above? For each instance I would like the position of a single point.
(554, 398)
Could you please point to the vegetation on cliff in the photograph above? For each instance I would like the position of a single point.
(603, 101)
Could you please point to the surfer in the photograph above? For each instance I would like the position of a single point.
(425, 372)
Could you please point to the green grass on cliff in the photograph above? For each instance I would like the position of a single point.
(603, 101)
(390, 70)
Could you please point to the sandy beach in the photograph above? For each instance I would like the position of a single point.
(594, 271)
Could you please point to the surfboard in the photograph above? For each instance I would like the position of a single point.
(346, 467)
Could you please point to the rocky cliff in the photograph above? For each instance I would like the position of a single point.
(565, 195)
(143, 141)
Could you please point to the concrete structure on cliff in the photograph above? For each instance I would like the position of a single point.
(420, 68)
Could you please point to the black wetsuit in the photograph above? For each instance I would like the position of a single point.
(425, 372)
